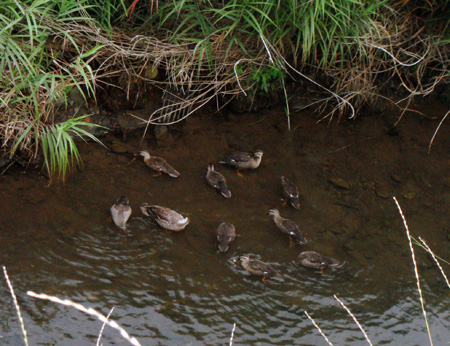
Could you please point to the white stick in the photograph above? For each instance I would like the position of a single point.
(436, 260)
(318, 328)
(354, 318)
(103, 327)
(13, 295)
(415, 270)
(89, 311)
(232, 335)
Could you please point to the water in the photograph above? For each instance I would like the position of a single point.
(177, 289)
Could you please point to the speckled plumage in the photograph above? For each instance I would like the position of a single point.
(158, 164)
(312, 259)
(288, 227)
(121, 211)
(165, 217)
(225, 235)
(243, 160)
(290, 192)
(217, 181)
(257, 267)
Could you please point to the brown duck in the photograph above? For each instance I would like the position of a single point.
(121, 211)
(242, 160)
(166, 218)
(158, 164)
(288, 227)
(290, 192)
(312, 259)
(260, 268)
(217, 181)
(225, 235)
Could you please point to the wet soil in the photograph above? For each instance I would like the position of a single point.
(177, 289)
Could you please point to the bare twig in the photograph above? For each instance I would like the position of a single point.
(103, 327)
(436, 260)
(415, 270)
(89, 311)
(318, 328)
(13, 295)
(232, 334)
(354, 319)
(435, 132)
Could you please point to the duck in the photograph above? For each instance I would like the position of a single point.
(243, 160)
(260, 268)
(166, 218)
(290, 192)
(121, 211)
(159, 165)
(217, 181)
(225, 235)
(312, 259)
(288, 226)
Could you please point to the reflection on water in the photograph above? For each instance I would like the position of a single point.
(178, 289)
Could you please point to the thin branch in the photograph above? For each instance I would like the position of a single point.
(354, 318)
(13, 295)
(436, 260)
(415, 270)
(318, 328)
(89, 311)
(103, 327)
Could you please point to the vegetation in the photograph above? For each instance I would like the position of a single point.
(207, 49)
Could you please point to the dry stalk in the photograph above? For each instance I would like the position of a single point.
(232, 334)
(415, 270)
(436, 260)
(89, 311)
(13, 295)
(354, 319)
(318, 328)
(435, 132)
(103, 327)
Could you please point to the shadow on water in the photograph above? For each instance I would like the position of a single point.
(178, 289)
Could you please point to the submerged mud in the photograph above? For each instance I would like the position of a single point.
(178, 289)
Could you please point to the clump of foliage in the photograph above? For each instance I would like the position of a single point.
(206, 49)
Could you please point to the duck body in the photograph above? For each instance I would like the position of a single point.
(242, 160)
(165, 217)
(288, 227)
(290, 192)
(121, 211)
(260, 268)
(226, 233)
(312, 259)
(217, 181)
(158, 164)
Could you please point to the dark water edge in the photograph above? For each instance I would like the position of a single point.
(177, 289)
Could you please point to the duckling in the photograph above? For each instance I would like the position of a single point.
(312, 259)
(159, 165)
(166, 218)
(225, 235)
(290, 192)
(257, 267)
(217, 181)
(121, 211)
(243, 160)
(288, 226)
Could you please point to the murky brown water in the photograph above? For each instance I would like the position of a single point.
(177, 289)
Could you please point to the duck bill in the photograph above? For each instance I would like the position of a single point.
(226, 194)
(223, 246)
(295, 203)
(301, 240)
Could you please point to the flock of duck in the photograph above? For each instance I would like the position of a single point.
(170, 220)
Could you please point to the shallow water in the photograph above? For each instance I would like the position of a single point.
(177, 289)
